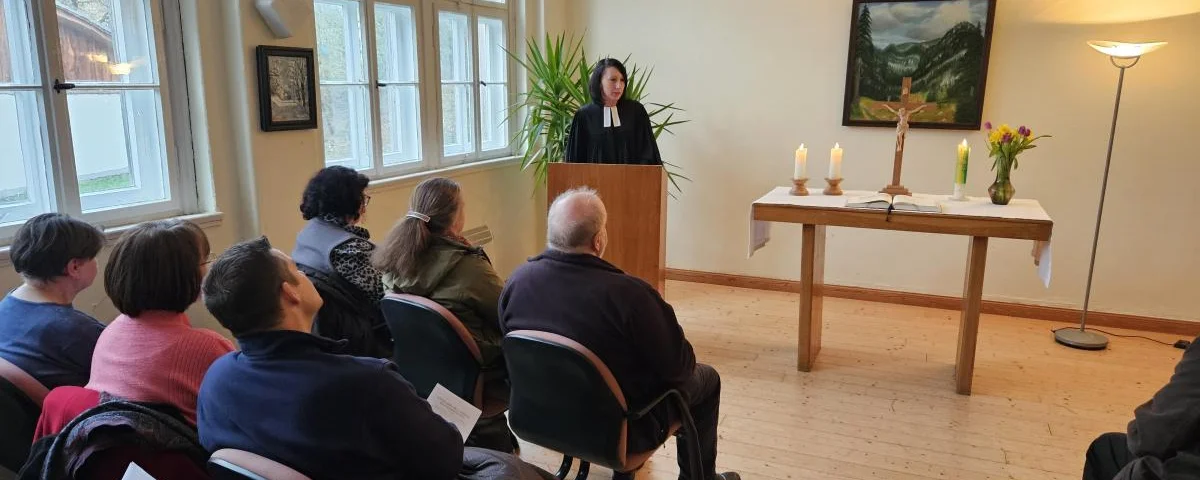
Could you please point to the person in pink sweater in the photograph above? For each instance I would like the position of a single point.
(151, 353)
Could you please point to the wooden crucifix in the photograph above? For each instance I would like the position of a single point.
(903, 114)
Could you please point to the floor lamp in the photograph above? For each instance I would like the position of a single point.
(1123, 56)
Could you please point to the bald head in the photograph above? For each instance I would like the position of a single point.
(576, 222)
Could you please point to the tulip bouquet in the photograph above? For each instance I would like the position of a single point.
(1004, 144)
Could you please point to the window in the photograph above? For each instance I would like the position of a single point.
(86, 131)
(437, 92)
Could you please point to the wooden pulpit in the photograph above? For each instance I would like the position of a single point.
(636, 199)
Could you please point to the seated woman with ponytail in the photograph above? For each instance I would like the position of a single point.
(426, 255)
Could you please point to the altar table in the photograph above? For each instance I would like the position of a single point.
(976, 218)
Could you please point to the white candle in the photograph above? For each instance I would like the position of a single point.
(835, 161)
(801, 163)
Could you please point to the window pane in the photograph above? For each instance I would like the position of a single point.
(493, 93)
(399, 104)
(107, 41)
(340, 49)
(454, 51)
(17, 63)
(23, 181)
(493, 110)
(400, 124)
(493, 61)
(119, 145)
(454, 46)
(395, 44)
(345, 121)
(458, 126)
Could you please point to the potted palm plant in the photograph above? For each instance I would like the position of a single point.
(558, 75)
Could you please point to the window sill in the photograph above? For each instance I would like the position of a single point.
(204, 220)
(405, 181)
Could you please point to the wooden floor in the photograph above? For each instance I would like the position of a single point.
(881, 403)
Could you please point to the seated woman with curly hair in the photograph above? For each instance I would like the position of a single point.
(335, 253)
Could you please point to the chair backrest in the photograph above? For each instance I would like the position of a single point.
(18, 419)
(24, 381)
(565, 398)
(431, 346)
(231, 464)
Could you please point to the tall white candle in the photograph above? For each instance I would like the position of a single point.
(835, 161)
(801, 170)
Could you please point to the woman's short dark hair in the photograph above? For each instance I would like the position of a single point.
(157, 266)
(45, 244)
(594, 83)
(242, 287)
(334, 191)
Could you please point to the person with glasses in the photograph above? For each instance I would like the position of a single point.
(334, 251)
(151, 353)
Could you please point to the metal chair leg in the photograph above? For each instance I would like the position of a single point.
(565, 468)
(691, 437)
(583, 470)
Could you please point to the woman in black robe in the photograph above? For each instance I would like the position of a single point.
(611, 129)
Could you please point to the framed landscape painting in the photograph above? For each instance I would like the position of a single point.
(287, 95)
(941, 45)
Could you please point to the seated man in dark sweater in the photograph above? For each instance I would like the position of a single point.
(1164, 436)
(570, 291)
(289, 396)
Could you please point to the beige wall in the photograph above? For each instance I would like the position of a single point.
(256, 178)
(758, 78)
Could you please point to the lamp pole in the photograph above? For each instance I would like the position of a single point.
(1123, 56)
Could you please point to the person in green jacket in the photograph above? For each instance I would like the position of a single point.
(426, 255)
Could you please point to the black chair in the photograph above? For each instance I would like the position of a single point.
(19, 416)
(21, 399)
(431, 346)
(231, 464)
(564, 398)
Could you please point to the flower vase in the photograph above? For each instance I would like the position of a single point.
(1002, 189)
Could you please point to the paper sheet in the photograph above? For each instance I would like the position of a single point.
(760, 234)
(134, 472)
(455, 410)
(1043, 259)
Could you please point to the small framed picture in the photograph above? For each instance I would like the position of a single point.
(287, 95)
(938, 47)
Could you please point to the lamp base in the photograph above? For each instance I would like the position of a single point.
(1081, 339)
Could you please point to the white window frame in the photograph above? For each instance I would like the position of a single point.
(63, 185)
(425, 15)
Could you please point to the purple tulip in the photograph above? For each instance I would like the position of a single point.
(1008, 138)
(987, 125)
(1023, 131)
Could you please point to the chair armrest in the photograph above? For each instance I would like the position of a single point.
(672, 393)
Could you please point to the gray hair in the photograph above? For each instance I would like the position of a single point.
(576, 216)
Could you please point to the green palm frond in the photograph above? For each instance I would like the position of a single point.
(558, 70)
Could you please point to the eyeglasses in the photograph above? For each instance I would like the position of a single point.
(366, 200)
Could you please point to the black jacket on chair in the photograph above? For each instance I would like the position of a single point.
(619, 317)
(346, 315)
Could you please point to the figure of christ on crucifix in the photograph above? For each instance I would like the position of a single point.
(903, 114)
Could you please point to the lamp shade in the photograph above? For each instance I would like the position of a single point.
(1125, 50)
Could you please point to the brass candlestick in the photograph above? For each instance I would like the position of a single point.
(798, 188)
(834, 188)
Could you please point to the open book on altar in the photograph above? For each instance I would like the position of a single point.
(902, 203)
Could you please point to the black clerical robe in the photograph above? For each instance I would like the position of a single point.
(593, 138)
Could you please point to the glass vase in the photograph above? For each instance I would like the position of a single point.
(1002, 189)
